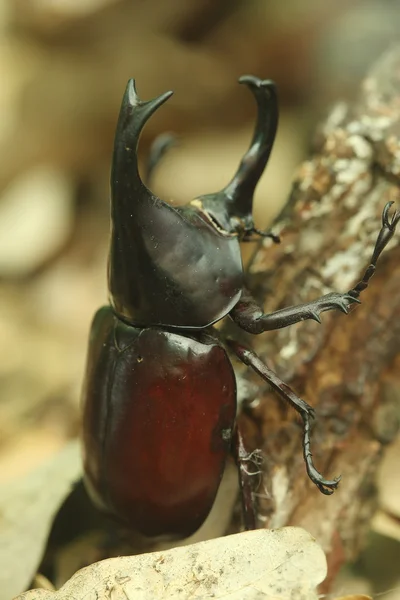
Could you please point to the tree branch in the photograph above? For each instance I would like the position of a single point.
(346, 367)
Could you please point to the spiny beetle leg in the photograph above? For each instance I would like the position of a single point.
(250, 317)
(248, 357)
(248, 464)
(385, 235)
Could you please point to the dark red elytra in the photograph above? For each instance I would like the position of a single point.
(167, 435)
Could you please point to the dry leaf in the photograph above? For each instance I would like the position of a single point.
(27, 509)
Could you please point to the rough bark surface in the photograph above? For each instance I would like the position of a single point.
(348, 367)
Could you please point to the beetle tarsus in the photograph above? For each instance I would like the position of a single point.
(385, 235)
(325, 486)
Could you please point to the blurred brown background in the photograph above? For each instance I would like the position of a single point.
(64, 67)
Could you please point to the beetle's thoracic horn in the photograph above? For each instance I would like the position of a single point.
(132, 118)
(232, 206)
(239, 192)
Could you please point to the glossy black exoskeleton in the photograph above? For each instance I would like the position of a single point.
(160, 393)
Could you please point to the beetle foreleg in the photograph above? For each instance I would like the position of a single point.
(250, 317)
(248, 357)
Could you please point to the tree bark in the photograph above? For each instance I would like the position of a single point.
(348, 367)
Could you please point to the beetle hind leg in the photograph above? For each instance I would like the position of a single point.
(307, 413)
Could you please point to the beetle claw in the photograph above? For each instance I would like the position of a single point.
(391, 225)
(327, 486)
(311, 412)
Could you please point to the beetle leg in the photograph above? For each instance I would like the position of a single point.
(307, 413)
(250, 317)
(246, 461)
(158, 149)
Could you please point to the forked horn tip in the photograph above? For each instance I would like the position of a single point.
(132, 99)
(164, 97)
(258, 83)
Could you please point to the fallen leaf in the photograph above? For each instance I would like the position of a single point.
(27, 509)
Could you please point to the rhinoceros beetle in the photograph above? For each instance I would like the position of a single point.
(159, 398)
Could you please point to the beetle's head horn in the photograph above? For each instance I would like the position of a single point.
(232, 207)
(126, 184)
